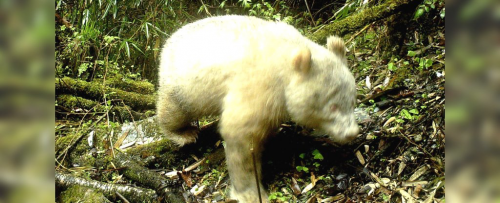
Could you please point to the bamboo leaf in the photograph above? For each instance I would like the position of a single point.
(136, 47)
(115, 9)
(106, 11)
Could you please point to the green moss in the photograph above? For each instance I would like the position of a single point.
(129, 85)
(82, 194)
(63, 142)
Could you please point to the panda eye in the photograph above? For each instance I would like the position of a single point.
(333, 107)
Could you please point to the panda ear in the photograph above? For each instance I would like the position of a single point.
(336, 45)
(302, 60)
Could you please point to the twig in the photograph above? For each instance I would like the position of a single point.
(59, 164)
(195, 165)
(413, 143)
(310, 15)
(122, 197)
(107, 111)
(133, 121)
(359, 32)
(205, 7)
(255, 172)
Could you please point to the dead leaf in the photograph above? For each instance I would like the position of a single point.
(295, 187)
(378, 180)
(390, 120)
(307, 188)
(197, 190)
(172, 174)
(434, 130)
(413, 183)
(360, 157)
(334, 198)
(310, 185)
(120, 140)
(312, 199)
(405, 195)
(418, 173)
(431, 196)
(401, 167)
(313, 179)
(417, 191)
(368, 83)
(186, 176)
(386, 81)
(127, 145)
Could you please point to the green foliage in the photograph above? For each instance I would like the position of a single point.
(385, 197)
(212, 177)
(125, 37)
(317, 154)
(410, 115)
(423, 63)
(405, 114)
(267, 10)
(411, 53)
(111, 33)
(349, 7)
(391, 67)
(427, 6)
(302, 168)
(277, 196)
(83, 68)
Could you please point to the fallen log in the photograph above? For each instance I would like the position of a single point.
(129, 85)
(134, 194)
(70, 102)
(95, 90)
(357, 21)
(142, 175)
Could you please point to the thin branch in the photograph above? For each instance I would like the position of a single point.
(359, 32)
(205, 7)
(310, 14)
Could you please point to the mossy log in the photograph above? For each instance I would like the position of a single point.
(357, 21)
(142, 175)
(82, 194)
(72, 102)
(95, 90)
(133, 194)
(129, 85)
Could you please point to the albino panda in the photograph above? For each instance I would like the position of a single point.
(254, 74)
